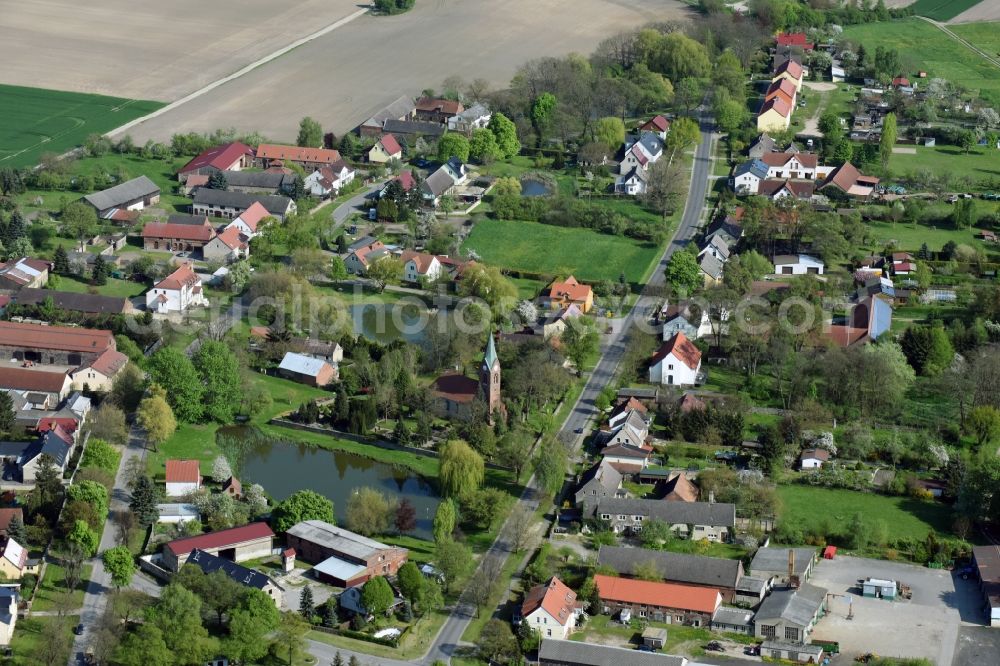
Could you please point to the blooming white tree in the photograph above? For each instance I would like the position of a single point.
(528, 312)
(221, 469)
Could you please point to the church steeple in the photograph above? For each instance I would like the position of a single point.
(489, 377)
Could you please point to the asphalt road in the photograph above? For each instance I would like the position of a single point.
(450, 635)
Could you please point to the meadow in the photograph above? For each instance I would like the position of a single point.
(921, 46)
(551, 250)
(824, 510)
(983, 34)
(38, 121)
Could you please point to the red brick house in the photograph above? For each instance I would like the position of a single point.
(233, 156)
(343, 558)
(172, 237)
(661, 602)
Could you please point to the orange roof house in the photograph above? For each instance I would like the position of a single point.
(663, 598)
(570, 291)
(774, 116)
(550, 608)
(269, 153)
(782, 88)
(183, 477)
(790, 70)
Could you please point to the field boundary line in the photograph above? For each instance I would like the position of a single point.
(961, 40)
(240, 72)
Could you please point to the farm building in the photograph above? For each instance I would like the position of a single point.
(230, 205)
(306, 369)
(775, 563)
(134, 194)
(237, 544)
(209, 564)
(227, 157)
(343, 558)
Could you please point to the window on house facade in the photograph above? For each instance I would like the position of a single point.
(768, 630)
(791, 634)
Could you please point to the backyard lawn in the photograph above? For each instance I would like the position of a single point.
(26, 645)
(910, 237)
(542, 248)
(52, 587)
(680, 639)
(924, 47)
(114, 287)
(808, 507)
(982, 163)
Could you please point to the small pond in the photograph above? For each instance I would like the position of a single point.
(534, 188)
(284, 467)
(385, 323)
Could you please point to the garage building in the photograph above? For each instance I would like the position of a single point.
(987, 559)
(237, 544)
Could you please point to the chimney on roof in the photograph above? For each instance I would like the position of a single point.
(711, 497)
(793, 580)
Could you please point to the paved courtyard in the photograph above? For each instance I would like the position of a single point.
(928, 625)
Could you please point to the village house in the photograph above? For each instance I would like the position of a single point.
(227, 157)
(659, 602)
(748, 176)
(177, 292)
(443, 181)
(98, 374)
(848, 181)
(236, 544)
(23, 273)
(53, 386)
(555, 324)
(400, 109)
(698, 570)
(26, 456)
(552, 652)
(406, 182)
(250, 578)
(678, 488)
(9, 597)
(797, 166)
(676, 363)
(13, 559)
(233, 488)
(794, 39)
(658, 125)
(600, 481)
(813, 458)
(563, 293)
(183, 477)
(53, 345)
(692, 520)
(797, 264)
(685, 319)
(550, 609)
(475, 117)
(774, 564)
(625, 446)
(307, 370)
(632, 182)
(228, 246)
(789, 615)
(248, 222)
(385, 149)
(351, 603)
(791, 71)
(436, 110)
(329, 180)
(135, 194)
(342, 557)
(418, 266)
(867, 320)
(782, 89)
(779, 189)
(88, 304)
(362, 253)
(230, 205)
(774, 116)
(270, 154)
(177, 237)
(260, 182)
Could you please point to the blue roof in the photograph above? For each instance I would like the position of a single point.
(209, 563)
(302, 364)
(756, 167)
(881, 319)
(491, 353)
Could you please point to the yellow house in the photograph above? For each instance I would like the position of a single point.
(570, 292)
(385, 149)
(774, 116)
(13, 560)
(790, 70)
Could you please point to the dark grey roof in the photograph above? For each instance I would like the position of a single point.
(184, 218)
(401, 107)
(274, 203)
(763, 144)
(696, 513)
(768, 560)
(711, 266)
(130, 190)
(209, 563)
(50, 444)
(751, 585)
(795, 606)
(438, 182)
(801, 648)
(676, 567)
(361, 242)
(421, 127)
(604, 475)
(14, 449)
(732, 616)
(588, 654)
(263, 179)
(67, 300)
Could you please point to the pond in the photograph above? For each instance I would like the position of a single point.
(284, 467)
(385, 323)
(534, 188)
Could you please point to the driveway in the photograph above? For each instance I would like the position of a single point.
(928, 625)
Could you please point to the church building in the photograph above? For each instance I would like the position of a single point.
(455, 393)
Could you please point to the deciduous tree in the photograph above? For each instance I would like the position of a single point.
(173, 370)
(368, 512)
(120, 564)
(310, 133)
(376, 596)
(505, 131)
(302, 505)
(155, 416)
(460, 470)
(452, 144)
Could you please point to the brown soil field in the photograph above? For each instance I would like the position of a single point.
(148, 50)
(342, 77)
(984, 11)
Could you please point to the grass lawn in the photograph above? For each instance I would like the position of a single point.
(942, 10)
(114, 287)
(190, 441)
(979, 164)
(413, 645)
(476, 625)
(807, 507)
(421, 550)
(909, 237)
(26, 644)
(38, 121)
(286, 395)
(543, 248)
(528, 288)
(929, 49)
(53, 586)
(982, 33)
(680, 639)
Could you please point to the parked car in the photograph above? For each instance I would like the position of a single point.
(78, 629)
(715, 646)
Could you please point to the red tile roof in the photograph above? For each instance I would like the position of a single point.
(270, 151)
(220, 157)
(631, 403)
(171, 231)
(64, 424)
(406, 179)
(109, 363)
(782, 88)
(390, 145)
(455, 387)
(37, 336)
(25, 379)
(435, 105)
(801, 189)
(795, 39)
(183, 276)
(779, 105)
(231, 238)
(818, 454)
(657, 122)
(664, 595)
(253, 215)
(682, 349)
(183, 471)
(220, 539)
(421, 259)
(901, 81)
(793, 68)
(569, 289)
(62, 433)
(555, 598)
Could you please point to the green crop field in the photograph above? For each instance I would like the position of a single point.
(37, 121)
(921, 46)
(942, 10)
(807, 507)
(542, 248)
